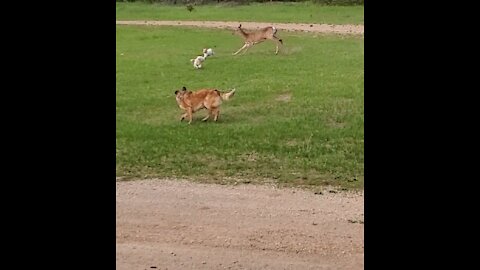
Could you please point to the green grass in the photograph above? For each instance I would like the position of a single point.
(267, 12)
(296, 119)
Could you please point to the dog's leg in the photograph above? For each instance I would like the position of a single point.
(190, 115)
(216, 113)
(183, 117)
(208, 116)
(210, 112)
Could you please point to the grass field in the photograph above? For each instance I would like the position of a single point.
(266, 12)
(296, 119)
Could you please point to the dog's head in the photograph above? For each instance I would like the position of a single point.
(180, 94)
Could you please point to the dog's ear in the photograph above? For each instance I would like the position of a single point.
(184, 88)
(176, 92)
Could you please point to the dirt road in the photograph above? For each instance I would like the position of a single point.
(319, 28)
(173, 224)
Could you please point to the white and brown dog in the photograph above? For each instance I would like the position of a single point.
(197, 62)
(207, 52)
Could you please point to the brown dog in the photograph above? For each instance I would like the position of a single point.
(210, 99)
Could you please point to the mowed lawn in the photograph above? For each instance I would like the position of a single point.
(297, 117)
(258, 12)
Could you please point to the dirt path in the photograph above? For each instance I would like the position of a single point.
(164, 224)
(319, 28)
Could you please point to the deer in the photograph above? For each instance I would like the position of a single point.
(258, 36)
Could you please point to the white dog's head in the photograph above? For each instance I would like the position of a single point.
(207, 52)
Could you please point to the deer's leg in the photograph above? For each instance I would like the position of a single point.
(245, 45)
(248, 46)
(277, 42)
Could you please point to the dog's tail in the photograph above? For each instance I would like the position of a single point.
(228, 95)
